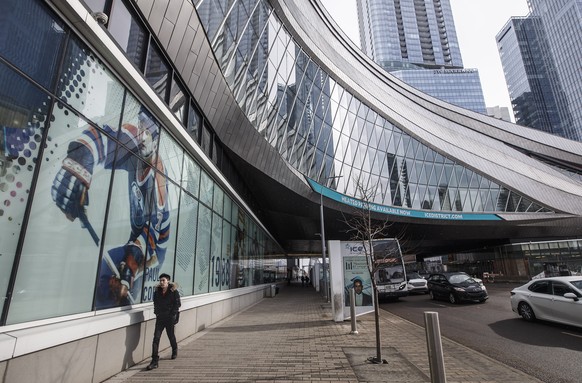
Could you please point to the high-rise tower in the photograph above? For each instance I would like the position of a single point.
(417, 42)
(541, 57)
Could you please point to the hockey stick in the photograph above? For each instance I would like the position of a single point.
(87, 225)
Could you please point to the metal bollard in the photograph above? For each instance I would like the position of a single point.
(353, 311)
(435, 347)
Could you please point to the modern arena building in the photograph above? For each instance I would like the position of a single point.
(199, 139)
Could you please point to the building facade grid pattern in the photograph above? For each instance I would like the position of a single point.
(324, 131)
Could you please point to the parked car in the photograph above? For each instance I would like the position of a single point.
(416, 284)
(555, 299)
(456, 287)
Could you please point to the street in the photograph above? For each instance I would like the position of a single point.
(547, 351)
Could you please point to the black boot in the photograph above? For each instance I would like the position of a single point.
(174, 354)
(153, 364)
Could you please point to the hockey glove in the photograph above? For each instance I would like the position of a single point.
(70, 186)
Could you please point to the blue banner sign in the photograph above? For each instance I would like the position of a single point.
(403, 212)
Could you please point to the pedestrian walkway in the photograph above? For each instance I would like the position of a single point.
(292, 338)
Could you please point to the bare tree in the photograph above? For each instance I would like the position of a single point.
(366, 230)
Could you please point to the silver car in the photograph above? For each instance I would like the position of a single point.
(416, 284)
(556, 299)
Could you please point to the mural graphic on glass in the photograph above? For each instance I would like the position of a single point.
(139, 220)
(21, 128)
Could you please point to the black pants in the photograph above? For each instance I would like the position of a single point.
(167, 323)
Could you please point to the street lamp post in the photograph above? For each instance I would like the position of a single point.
(323, 249)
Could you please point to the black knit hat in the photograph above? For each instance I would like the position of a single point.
(167, 276)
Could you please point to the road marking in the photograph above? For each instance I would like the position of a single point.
(576, 335)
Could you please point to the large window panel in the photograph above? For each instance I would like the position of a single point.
(186, 244)
(211, 14)
(87, 86)
(202, 269)
(178, 100)
(140, 219)
(60, 254)
(206, 189)
(163, 256)
(131, 36)
(157, 72)
(193, 125)
(171, 155)
(218, 200)
(191, 176)
(216, 253)
(206, 140)
(24, 111)
(31, 39)
(226, 256)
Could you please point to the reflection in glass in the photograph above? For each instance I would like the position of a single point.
(186, 244)
(225, 277)
(157, 72)
(202, 269)
(323, 130)
(24, 110)
(171, 155)
(191, 176)
(216, 260)
(131, 36)
(60, 254)
(31, 39)
(193, 125)
(89, 87)
(178, 101)
(140, 211)
(206, 189)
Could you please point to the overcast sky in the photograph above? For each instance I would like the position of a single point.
(477, 22)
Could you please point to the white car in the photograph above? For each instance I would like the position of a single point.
(556, 299)
(416, 284)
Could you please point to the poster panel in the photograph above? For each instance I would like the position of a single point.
(139, 222)
(60, 253)
(202, 269)
(20, 142)
(186, 244)
(215, 252)
(226, 256)
(355, 275)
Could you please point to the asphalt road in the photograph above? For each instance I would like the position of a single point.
(550, 352)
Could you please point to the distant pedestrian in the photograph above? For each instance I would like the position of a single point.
(166, 305)
(302, 280)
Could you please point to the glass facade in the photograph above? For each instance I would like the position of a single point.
(417, 32)
(548, 47)
(460, 87)
(324, 131)
(98, 198)
(528, 76)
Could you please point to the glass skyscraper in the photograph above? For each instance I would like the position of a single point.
(541, 57)
(417, 42)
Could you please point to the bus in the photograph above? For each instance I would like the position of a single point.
(390, 273)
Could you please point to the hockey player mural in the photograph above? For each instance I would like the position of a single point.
(123, 268)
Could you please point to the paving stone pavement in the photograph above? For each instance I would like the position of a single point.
(292, 338)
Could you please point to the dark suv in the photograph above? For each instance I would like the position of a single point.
(456, 287)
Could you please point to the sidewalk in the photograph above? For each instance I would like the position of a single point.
(292, 338)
